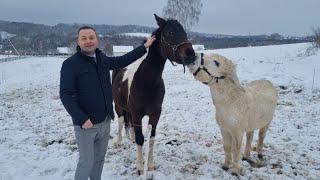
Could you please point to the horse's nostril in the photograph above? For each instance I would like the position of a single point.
(190, 52)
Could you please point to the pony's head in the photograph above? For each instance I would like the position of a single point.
(212, 68)
(173, 41)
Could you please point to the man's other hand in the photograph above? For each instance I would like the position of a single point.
(88, 124)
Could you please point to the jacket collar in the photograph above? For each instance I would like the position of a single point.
(97, 53)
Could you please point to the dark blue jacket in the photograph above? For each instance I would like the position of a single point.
(85, 86)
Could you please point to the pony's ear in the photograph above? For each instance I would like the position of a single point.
(161, 22)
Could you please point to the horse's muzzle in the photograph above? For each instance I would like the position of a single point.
(190, 56)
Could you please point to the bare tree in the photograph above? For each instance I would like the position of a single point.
(187, 12)
(316, 34)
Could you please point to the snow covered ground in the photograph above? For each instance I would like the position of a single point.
(37, 138)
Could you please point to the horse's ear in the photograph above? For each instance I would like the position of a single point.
(161, 22)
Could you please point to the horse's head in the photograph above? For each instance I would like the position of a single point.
(209, 69)
(174, 43)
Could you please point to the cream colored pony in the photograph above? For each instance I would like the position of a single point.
(238, 109)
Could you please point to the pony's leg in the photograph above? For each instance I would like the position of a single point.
(262, 135)
(137, 124)
(227, 145)
(153, 121)
(247, 151)
(236, 149)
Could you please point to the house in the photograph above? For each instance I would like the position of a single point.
(120, 50)
(64, 51)
(198, 47)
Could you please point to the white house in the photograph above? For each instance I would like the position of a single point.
(4, 35)
(120, 50)
(64, 50)
(198, 47)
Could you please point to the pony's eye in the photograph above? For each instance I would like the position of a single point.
(217, 63)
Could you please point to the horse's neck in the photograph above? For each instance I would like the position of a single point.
(152, 67)
(226, 92)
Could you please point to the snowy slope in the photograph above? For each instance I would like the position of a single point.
(37, 139)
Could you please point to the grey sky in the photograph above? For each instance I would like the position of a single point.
(287, 17)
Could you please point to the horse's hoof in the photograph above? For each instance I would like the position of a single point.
(117, 144)
(260, 156)
(151, 167)
(226, 168)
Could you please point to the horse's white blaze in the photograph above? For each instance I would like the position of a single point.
(130, 71)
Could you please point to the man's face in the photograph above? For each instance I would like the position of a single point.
(88, 41)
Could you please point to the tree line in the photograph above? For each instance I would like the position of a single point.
(38, 39)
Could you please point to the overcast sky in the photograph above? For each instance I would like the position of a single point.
(237, 17)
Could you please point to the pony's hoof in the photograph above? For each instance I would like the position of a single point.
(250, 161)
(260, 156)
(226, 168)
(140, 172)
(235, 172)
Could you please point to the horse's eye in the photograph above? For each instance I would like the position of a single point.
(170, 34)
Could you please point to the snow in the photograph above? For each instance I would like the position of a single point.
(37, 137)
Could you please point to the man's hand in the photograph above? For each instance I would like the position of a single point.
(88, 124)
(149, 41)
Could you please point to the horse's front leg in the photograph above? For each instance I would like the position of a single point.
(154, 119)
(236, 148)
(137, 124)
(227, 146)
(120, 113)
(120, 127)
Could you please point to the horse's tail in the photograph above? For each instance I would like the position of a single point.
(127, 119)
(127, 122)
(114, 73)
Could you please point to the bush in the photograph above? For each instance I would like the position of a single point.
(316, 34)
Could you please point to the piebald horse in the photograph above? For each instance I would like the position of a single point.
(138, 90)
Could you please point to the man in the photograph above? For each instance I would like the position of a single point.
(85, 91)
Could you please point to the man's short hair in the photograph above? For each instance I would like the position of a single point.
(86, 27)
